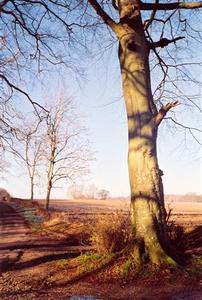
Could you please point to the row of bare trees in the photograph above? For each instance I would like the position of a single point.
(52, 148)
(87, 192)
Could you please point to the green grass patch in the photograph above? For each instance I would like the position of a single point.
(170, 261)
(63, 262)
(125, 267)
(85, 263)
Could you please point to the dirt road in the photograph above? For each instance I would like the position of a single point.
(13, 233)
(25, 257)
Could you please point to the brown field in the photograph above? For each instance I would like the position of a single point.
(89, 205)
(183, 212)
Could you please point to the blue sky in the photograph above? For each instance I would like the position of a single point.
(98, 99)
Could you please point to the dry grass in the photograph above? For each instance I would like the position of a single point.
(111, 233)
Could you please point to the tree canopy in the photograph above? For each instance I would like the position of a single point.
(34, 33)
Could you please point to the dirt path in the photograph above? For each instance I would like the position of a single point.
(18, 245)
(25, 258)
(13, 233)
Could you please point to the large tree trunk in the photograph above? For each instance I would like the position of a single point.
(147, 198)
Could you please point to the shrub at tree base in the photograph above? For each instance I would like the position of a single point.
(178, 236)
(112, 233)
(176, 233)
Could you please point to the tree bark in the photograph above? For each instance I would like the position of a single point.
(147, 197)
(50, 169)
(48, 194)
(31, 188)
(50, 177)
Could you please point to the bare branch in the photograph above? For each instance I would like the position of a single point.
(170, 6)
(105, 17)
(164, 42)
(163, 111)
(114, 4)
(14, 87)
(148, 22)
(3, 3)
(183, 126)
(189, 128)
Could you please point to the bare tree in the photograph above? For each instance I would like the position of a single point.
(144, 43)
(67, 152)
(90, 191)
(76, 191)
(102, 194)
(28, 148)
(148, 34)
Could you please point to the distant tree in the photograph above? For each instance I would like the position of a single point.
(76, 191)
(67, 153)
(90, 191)
(93, 192)
(102, 194)
(87, 192)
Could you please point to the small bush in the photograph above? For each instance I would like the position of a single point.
(175, 232)
(111, 233)
(176, 235)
